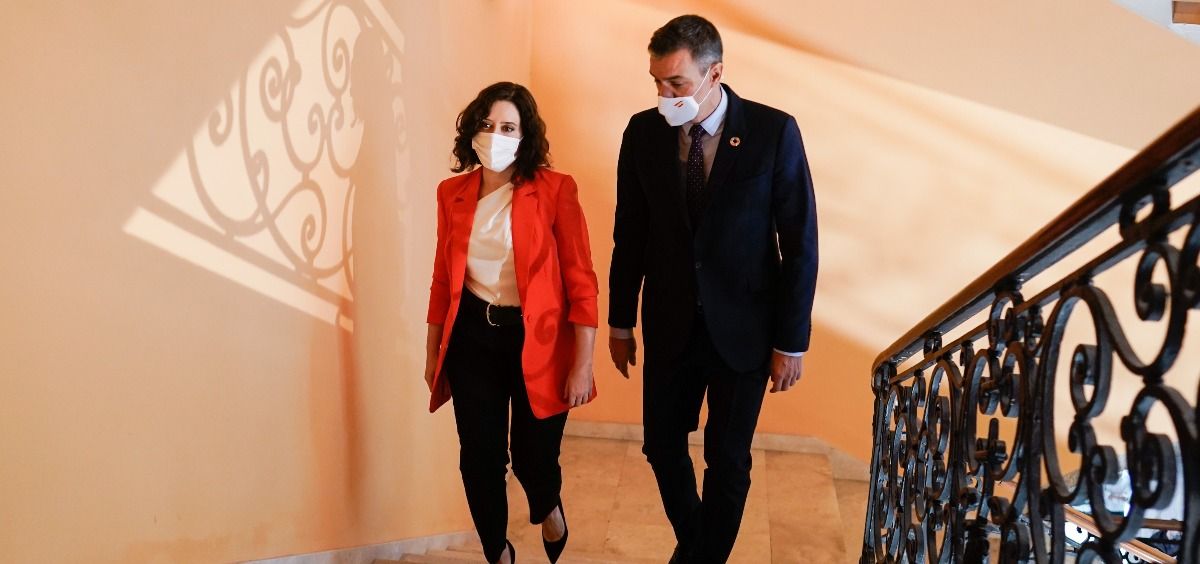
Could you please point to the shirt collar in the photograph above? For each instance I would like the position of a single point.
(712, 123)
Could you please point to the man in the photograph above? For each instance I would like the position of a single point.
(716, 226)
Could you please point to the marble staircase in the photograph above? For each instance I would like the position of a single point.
(796, 512)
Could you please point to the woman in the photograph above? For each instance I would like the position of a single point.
(512, 313)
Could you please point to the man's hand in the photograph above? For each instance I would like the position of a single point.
(785, 371)
(624, 353)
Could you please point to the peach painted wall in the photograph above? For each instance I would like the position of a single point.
(899, 169)
(1092, 67)
(182, 379)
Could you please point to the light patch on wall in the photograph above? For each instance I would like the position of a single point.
(264, 194)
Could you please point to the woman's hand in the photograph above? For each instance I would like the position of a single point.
(578, 389)
(433, 343)
(430, 368)
(579, 383)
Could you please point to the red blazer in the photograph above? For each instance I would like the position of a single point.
(555, 280)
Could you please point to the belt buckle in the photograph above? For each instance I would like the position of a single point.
(487, 314)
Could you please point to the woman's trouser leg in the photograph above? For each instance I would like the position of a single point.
(481, 395)
(535, 449)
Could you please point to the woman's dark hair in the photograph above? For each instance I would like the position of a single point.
(694, 33)
(534, 150)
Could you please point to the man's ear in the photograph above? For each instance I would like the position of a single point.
(717, 71)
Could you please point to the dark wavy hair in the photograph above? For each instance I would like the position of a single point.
(534, 150)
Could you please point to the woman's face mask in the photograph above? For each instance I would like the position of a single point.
(496, 152)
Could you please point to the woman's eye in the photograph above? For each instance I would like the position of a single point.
(509, 129)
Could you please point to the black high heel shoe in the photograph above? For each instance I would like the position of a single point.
(555, 549)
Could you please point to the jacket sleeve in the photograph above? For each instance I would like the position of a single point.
(575, 256)
(439, 289)
(630, 228)
(795, 213)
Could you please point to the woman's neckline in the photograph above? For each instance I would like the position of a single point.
(501, 188)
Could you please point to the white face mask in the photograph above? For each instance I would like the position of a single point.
(683, 109)
(496, 152)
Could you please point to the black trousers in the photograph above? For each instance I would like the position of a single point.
(705, 527)
(483, 365)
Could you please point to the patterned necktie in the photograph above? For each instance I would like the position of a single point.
(695, 173)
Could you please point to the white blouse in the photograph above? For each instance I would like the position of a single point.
(491, 274)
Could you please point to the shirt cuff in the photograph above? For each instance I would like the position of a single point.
(795, 354)
(620, 332)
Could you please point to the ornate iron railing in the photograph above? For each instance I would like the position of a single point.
(966, 460)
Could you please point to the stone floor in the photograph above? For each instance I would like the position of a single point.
(796, 512)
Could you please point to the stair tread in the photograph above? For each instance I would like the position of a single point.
(568, 557)
(852, 500)
(806, 521)
(796, 511)
(445, 557)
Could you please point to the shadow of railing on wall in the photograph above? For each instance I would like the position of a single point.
(266, 192)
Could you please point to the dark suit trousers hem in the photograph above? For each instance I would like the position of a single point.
(705, 527)
(483, 365)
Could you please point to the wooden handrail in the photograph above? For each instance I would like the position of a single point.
(1185, 12)
(1090, 215)
(1135, 547)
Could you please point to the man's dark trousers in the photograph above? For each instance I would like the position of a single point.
(671, 409)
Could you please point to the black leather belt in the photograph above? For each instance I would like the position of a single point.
(496, 316)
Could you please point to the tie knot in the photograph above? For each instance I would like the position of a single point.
(696, 131)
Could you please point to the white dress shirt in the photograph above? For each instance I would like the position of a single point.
(491, 273)
(713, 125)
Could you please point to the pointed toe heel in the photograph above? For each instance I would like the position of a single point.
(555, 549)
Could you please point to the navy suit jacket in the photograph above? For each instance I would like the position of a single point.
(752, 259)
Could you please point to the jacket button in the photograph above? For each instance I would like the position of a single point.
(697, 265)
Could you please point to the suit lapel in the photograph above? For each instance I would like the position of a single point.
(525, 230)
(664, 143)
(727, 150)
(462, 219)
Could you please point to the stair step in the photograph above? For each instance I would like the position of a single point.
(852, 501)
(796, 511)
(473, 554)
(457, 556)
(432, 559)
(806, 522)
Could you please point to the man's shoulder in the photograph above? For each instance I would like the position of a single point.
(759, 113)
(644, 119)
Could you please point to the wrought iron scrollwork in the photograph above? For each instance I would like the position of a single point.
(966, 463)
